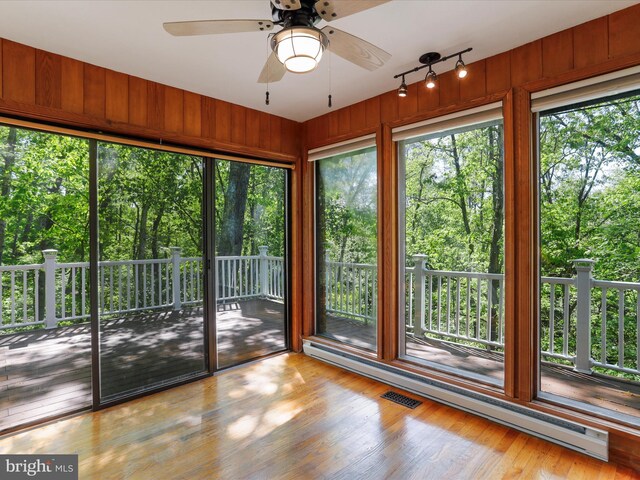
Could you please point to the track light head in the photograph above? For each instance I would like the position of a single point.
(402, 91)
(431, 79)
(461, 68)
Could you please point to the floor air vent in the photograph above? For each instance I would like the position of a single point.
(401, 399)
(581, 438)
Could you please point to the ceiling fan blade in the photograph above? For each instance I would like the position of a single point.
(334, 9)
(354, 49)
(286, 4)
(209, 27)
(273, 70)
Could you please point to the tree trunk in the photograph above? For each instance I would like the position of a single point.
(495, 265)
(461, 192)
(232, 223)
(9, 156)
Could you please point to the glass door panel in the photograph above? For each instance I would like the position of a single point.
(150, 277)
(45, 335)
(251, 269)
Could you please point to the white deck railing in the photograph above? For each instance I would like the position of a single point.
(585, 321)
(52, 292)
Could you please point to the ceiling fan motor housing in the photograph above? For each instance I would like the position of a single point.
(305, 16)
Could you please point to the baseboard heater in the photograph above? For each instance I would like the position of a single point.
(581, 438)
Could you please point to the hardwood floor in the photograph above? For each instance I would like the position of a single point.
(46, 373)
(291, 416)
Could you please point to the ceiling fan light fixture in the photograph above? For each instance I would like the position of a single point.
(299, 49)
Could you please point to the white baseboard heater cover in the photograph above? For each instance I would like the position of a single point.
(584, 439)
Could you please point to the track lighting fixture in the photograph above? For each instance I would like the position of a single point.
(431, 79)
(402, 91)
(461, 68)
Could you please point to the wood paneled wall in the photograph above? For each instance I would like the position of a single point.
(603, 45)
(48, 87)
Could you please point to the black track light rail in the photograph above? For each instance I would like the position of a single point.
(428, 64)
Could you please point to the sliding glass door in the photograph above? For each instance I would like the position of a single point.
(251, 233)
(45, 335)
(150, 269)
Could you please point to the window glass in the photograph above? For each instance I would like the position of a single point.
(347, 248)
(589, 194)
(452, 250)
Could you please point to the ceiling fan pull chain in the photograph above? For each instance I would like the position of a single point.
(329, 65)
(266, 100)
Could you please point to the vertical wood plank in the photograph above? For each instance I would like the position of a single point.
(208, 127)
(173, 109)
(155, 105)
(389, 106)
(290, 137)
(72, 85)
(138, 101)
(408, 105)
(223, 121)
(498, 73)
(526, 63)
(372, 112)
(358, 116)
(524, 249)
(48, 79)
(474, 85)
(510, 226)
(624, 32)
(344, 121)
(192, 113)
(333, 122)
(591, 43)
(116, 96)
(238, 124)
(94, 91)
(449, 86)
(557, 53)
(428, 98)
(317, 131)
(265, 130)
(19, 72)
(275, 139)
(253, 128)
(1, 67)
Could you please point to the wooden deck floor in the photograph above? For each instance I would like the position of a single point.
(598, 390)
(48, 372)
(293, 417)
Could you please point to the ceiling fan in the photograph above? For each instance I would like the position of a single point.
(298, 47)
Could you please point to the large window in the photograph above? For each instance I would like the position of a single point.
(589, 311)
(452, 248)
(347, 248)
(45, 337)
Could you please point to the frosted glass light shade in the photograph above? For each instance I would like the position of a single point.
(299, 49)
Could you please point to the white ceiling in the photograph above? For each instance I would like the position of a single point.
(127, 36)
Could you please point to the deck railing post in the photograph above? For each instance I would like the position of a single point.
(175, 270)
(420, 283)
(584, 270)
(50, 320)
(264, 271)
